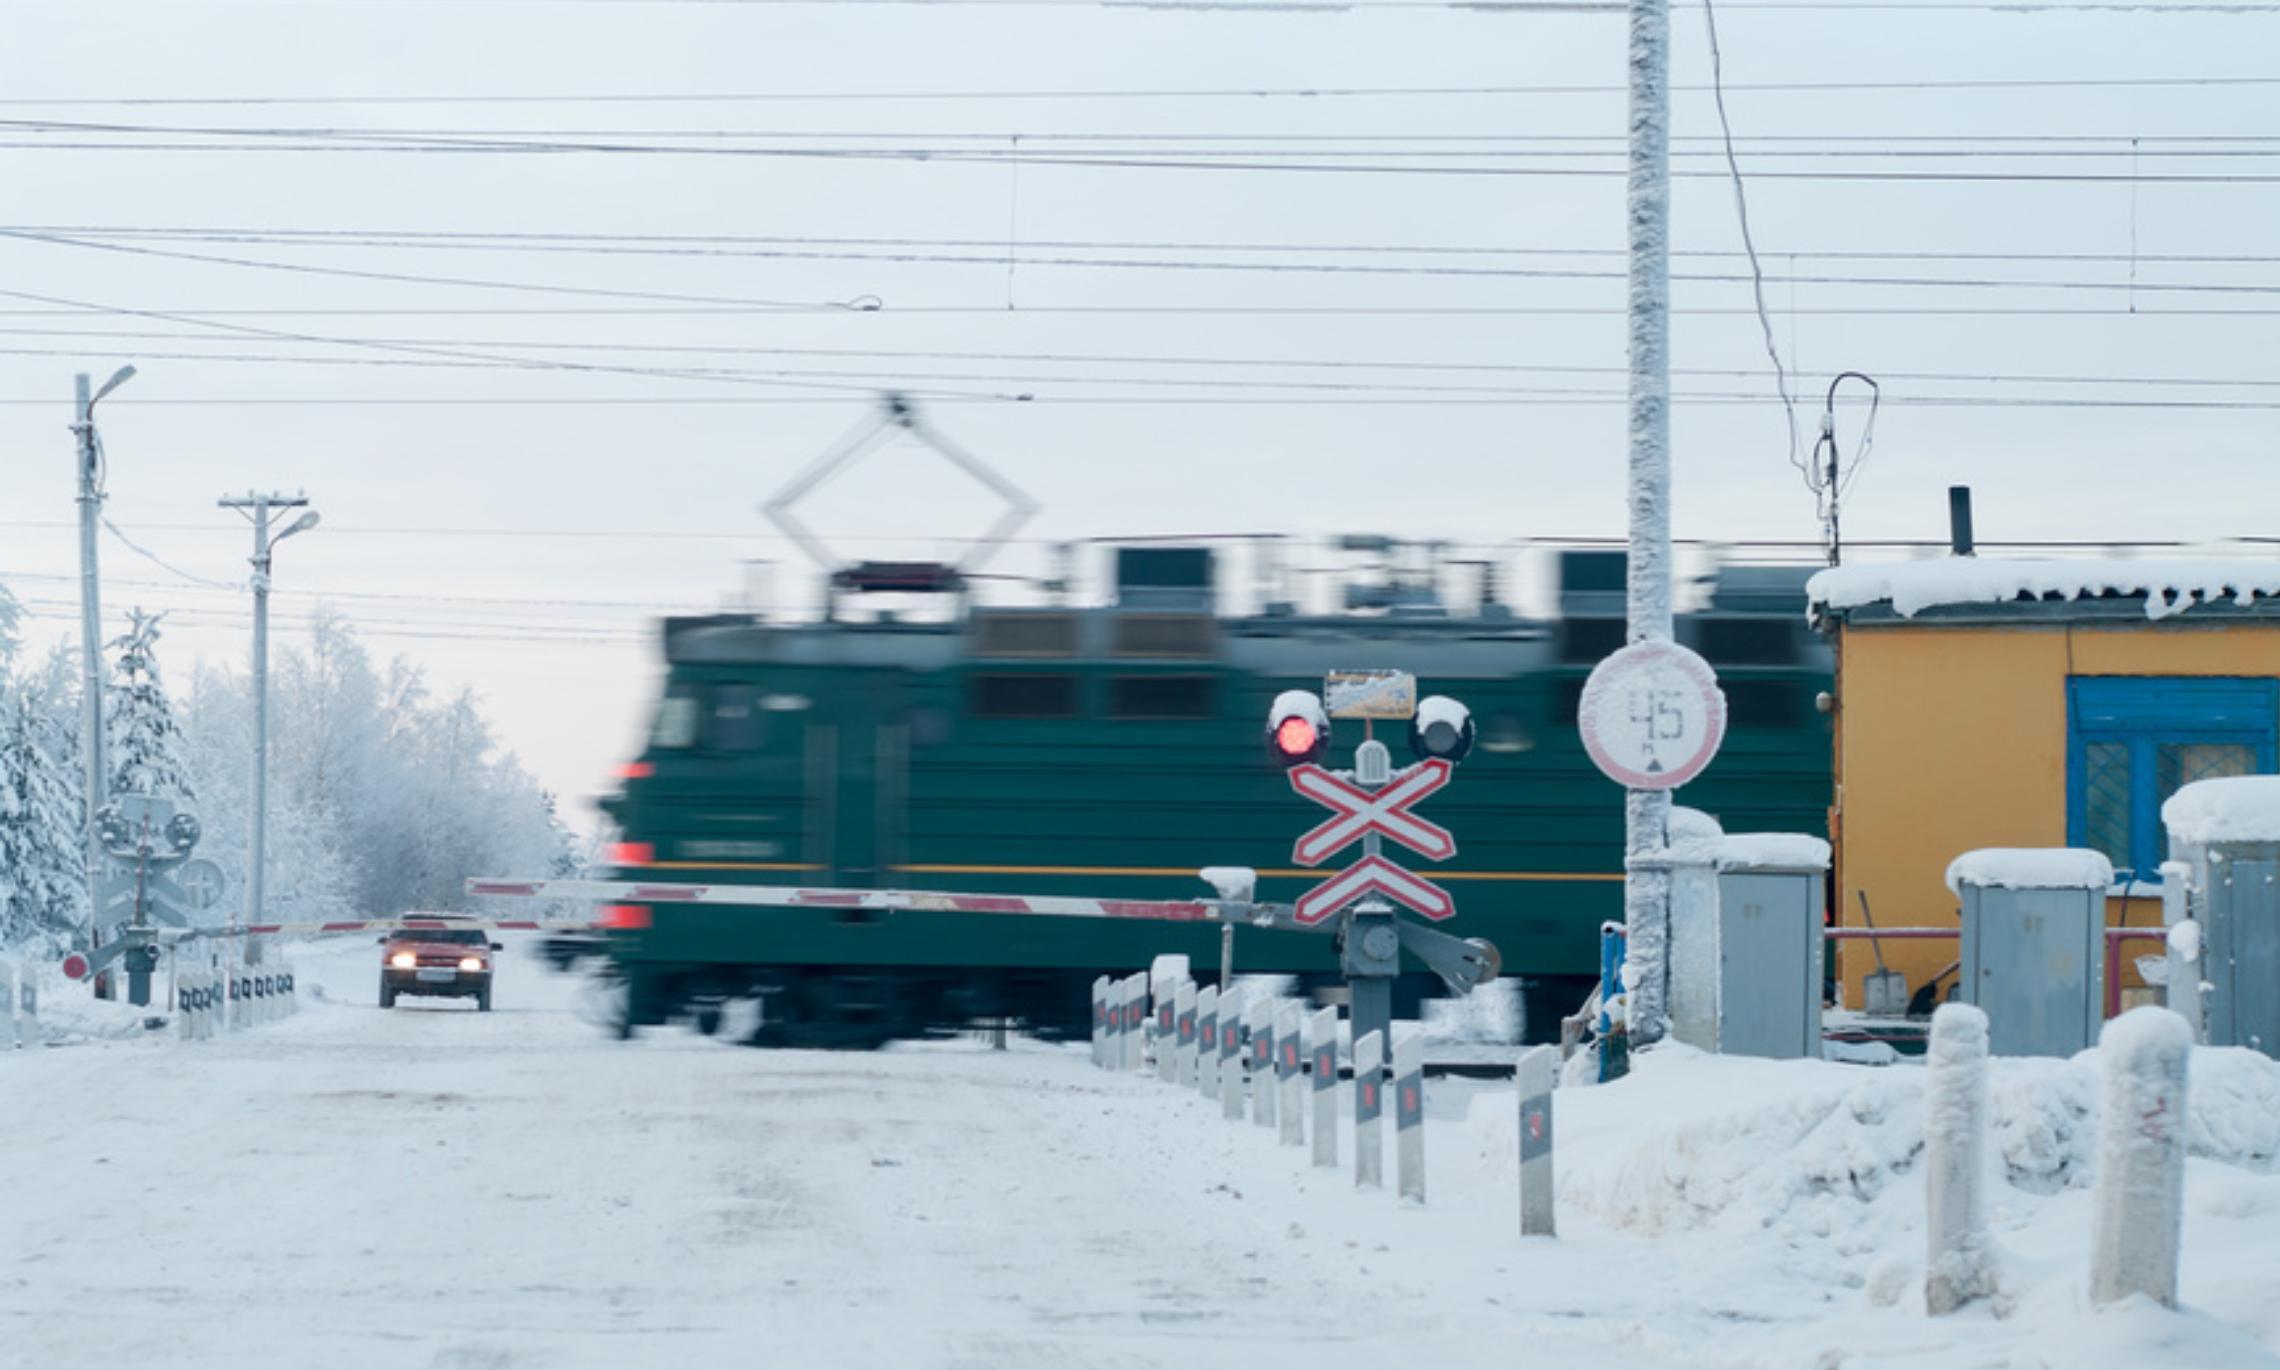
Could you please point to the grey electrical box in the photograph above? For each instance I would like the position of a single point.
(2034, 960)
(2237, 885)
(1769, 958)
(1745, 942)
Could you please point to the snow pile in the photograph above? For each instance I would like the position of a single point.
(2030, 868)
(2235, 808)
(1824, 1156)
(2169, 587)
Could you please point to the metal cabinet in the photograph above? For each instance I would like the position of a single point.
(2034, 960)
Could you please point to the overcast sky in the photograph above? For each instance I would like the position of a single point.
(514, 481)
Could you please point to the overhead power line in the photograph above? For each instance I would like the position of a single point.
(1303, 93)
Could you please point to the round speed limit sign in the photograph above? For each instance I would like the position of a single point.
(1652, 716)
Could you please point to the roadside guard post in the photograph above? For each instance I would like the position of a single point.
(1369, 1106)
(1100, 1028)
(1207, 1041)
(1324, 1039)
(1409, 1110)
(1183, 1035)
(1230, 1057)
(1263, 1089)
(1534, 1075)
(1290, 1047)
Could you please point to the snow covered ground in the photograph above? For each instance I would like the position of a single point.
(436, 1187)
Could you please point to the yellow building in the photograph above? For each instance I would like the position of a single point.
(1987, 703)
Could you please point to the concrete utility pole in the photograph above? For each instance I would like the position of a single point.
(256, 508)
(91, 624)
(1646, 894)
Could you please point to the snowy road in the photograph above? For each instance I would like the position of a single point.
(436, 1187)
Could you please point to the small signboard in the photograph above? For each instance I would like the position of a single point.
(1652, 715)
(1370, 694)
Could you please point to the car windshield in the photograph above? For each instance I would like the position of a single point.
(474, 936)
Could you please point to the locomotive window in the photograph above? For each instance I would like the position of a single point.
(1589, 639)
(1022, 696)
(1755, 641)
(732, 724)
(1160, 696)
(676, 722)
(1762, 703)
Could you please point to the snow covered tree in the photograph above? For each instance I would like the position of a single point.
(43, 872)
(142, 741)
(43, 860)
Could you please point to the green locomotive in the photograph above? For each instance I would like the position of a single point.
(1111, 751)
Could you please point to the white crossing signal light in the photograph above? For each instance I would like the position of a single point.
(1298, 730)
(1442, 728)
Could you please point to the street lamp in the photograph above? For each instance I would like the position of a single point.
(91, 624)
(257, 508)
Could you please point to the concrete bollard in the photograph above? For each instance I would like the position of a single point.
(1263, 1092)
(1959, 1267)
(1535, 1073)
(1369, 1106)
(1207, 1041)
(1290, 1075)
(1183, 1035)
(1409, 1110)
(1231, 1057)
(1324, 1044)
(2140, 1200)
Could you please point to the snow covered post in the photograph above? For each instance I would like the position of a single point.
(1325, 1046)
(1100, 1019)
(1183, 1035)
(1262, 1016)
(1534, 1075)
(1136, 1021)
(1409, 1109)
(1167, 1028)
(1230, 1057)
(292, 990)
(7, 1006)
(1207, 1042)
(1646, 813)
(1290, 1024)
(2140, 1203)
(2183, 991)
(1958, 1267)
(1369, 1106)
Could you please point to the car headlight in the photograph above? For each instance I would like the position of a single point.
(403, 960)
(470, 963)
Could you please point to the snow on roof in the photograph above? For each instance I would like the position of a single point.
(2031, 868)
(1781, 851)
(2169, 587)
(2236, 808)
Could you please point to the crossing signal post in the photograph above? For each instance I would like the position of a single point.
(1370, 803)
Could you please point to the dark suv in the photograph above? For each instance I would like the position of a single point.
(447, 961)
